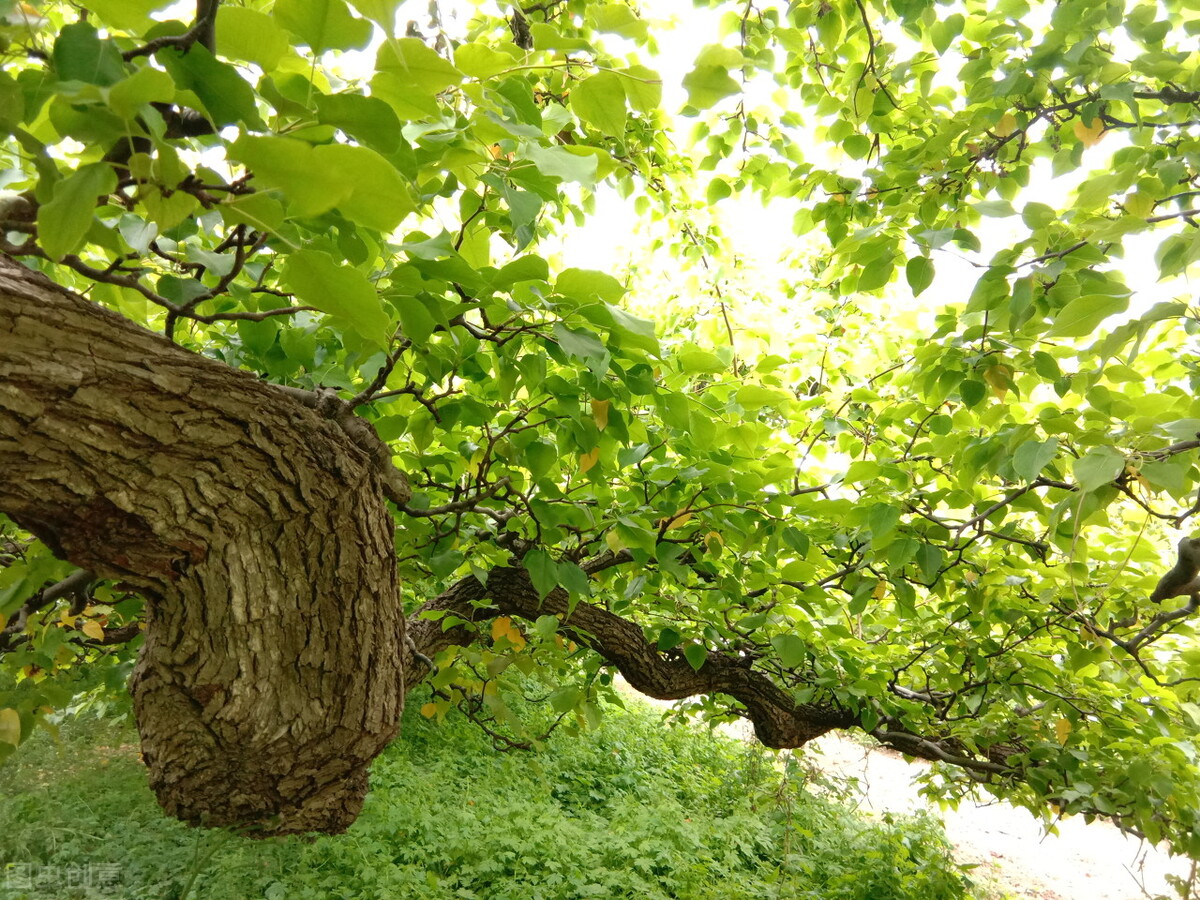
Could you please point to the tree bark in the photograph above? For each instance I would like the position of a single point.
(254, 525)
(779, 721)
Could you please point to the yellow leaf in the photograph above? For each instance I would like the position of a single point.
(429, 710)
(589, 459)
(516, 638)
(600, 413)
(1006, 126)
(501, 627)
(1089, 136)
(66, 620)
(880, 590)
(614, 542)
(93, 629)
(678, 520)
(10, 726)
(1000, 378)
(1062, 729)
(970, 577)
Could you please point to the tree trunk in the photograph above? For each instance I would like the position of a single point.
(255, 527)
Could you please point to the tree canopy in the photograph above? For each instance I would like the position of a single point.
(897, 492)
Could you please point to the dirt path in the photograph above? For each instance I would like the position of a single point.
(1082, 862)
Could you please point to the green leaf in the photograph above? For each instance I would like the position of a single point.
(546, 626)
(1098, 467)
(250, 35)
(147, 85)
(643, 88)
(709, 85)
(368, 119)
(669, 638)
(63, 222)
(543, 571)
(876, 273)
(81, 55)
(290, 166)
(559, 162)
(524, 268)
(226, 95)
(972, 391)
(574, 579)
(919, 274)
(323, 24)
(256, 210)
(629, 330)
(694, 361)
(1169, 474)
(1038, 215)
(600, 101)
(882, 519)
(422, 66)
(382, 12)
(929, 561)
(696, 655)
(1033, 456)
(565, 699)
(539, 457)
(339, 290)
(587, 284)
(1083, 315)
(579, 343)
(710, 82)
(619, 19)
(754, 397)
(480, 61)
(378, 197)
(131, 15)
(167, 209)
(792, 651)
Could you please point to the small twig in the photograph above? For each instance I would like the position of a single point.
(75, 583)
(464, 505)
(203, 32)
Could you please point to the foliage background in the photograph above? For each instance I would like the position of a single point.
(942, 527)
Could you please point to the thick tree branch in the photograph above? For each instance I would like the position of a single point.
(255, 527)
(779, 720)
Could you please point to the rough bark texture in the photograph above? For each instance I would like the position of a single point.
(255, 527)
(779, 721)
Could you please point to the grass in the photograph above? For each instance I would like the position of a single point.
(632, 809)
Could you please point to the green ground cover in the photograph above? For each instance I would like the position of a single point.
(631, 809)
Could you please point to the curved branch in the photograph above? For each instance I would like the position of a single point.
(779, 720)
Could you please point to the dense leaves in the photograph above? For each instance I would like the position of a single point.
(938, 519)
